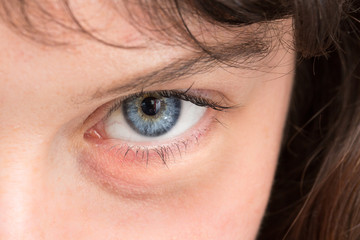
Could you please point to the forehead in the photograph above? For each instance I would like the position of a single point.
(126, 23)
(91, 28)
(109, 37)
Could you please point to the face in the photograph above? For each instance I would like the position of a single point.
(100, 142)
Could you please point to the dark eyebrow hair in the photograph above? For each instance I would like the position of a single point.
(197, 63)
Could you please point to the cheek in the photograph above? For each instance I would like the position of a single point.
(227, 202)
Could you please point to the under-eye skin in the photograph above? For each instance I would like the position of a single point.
(153, 127)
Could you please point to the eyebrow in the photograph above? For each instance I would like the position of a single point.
(231, 56)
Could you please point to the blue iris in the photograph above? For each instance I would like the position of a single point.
(152, 116)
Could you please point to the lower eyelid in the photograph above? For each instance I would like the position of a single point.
(155, 152)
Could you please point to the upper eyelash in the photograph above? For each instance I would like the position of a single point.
(182, 95)
(197, 100)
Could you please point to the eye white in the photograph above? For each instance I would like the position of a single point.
(116, 126)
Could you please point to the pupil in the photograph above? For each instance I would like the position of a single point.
(150, 106)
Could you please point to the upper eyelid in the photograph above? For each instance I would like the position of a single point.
(181, 94)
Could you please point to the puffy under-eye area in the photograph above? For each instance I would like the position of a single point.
(152, 118)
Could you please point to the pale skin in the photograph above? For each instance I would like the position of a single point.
(55, 184)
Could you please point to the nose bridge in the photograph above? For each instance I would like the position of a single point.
(20, 189)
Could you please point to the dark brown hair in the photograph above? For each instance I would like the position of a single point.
(316, 193)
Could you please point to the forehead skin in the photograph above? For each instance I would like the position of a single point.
(217, 191)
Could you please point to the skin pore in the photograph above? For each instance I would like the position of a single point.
(61, 179)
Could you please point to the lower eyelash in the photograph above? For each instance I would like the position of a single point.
(165, 153)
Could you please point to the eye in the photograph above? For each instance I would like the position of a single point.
(152, 127)
(150, 117)
(134, 141)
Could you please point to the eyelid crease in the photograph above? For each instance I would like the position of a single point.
(197, 63)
